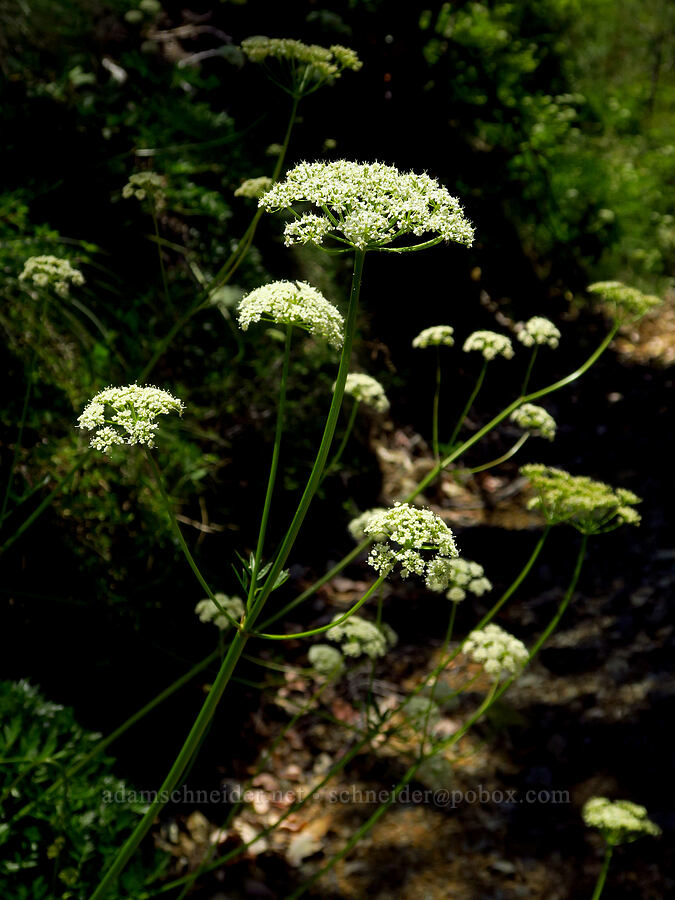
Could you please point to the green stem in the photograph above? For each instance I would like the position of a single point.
(181, 540)
(602, 877)
(470, 402)
(165, 283)
(444, 650)
(434, 420)
(530, 366)
(500, 459)
(345, 437)
(278, 431)
(124, 727)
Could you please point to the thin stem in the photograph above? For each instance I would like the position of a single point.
(470, 402)
(165, 283)
(602, 877)
(278, 431)
(444, 650)
(530, 366)
(500, 459)
(181, 540)
(345, 437)
(322, 628)
(434, 420)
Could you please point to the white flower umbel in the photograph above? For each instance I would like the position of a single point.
(500, 653)
(127, 415)
(208, 611)
(357, 525)
(623, 301)
(326, 660)
(619, 821)
(367, 206)
(416, 539)
(254, 187)
(51, 272)
(534, 419)
(592, 507)
(538, 331)
(463, 576)
(490, 344)
(145, 185)
(293, 303)
(436, 336)
(367, 391)
(358, 637)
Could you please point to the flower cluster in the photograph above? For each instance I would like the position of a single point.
(465, 576)
(624, 301)
(310, 64)
(592, 507)
(127, 415)
(537, 331)
(359, 637)
(490, 344)
(366, 205)
(534, 419)
(620, 822)
(254, 187)
(208, 611)
(357, 525)
(367, 390)
(500, 653)
(293, 303)
(50, 271)
(145, 184)
(326, 660)
(436, 336)
(417, 539)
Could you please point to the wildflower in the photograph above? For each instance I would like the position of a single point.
(436, 336)
(127, 415)
(208, 611)
(534, 419)
(254, 187)
(50, 271)
(310, 65)
(417, 539)
(357, 525)
(366, 205)
(293, 303)
(367, 390)
(462, 576)
(591, 507)
(358, 637)
(500, 653)
(624, 302)
(619, 822)
(326, 660)
(145, 184)
(490, 344)
(537, 331)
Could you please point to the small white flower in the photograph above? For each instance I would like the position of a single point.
(357, 525)
(416, 539)
(369, 205)
(538, 331)
(534, 419)
(625, 302)
(465, 576)
(254, 187)
(127, 415)
(490, 344)
(436, 336)
(358, 637)
(620, 821)
(500, 653)
(367, 391)
(50, 271)
(326, 660)
(293, 303)
(145, 184)
(208, 611)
